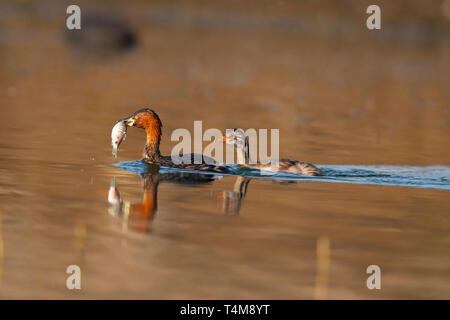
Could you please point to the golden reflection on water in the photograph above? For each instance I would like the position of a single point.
(80, 234)
(323, 265)
(338, 95)
(1, 251)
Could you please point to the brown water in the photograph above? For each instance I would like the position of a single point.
(338, 97)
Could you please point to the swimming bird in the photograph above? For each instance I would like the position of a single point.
(238, 138)
(148, 120)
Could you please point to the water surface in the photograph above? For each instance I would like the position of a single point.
(371, 110)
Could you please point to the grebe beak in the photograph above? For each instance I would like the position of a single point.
(130, 122)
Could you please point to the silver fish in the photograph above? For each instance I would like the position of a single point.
(118, 134)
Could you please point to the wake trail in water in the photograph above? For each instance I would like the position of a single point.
(429, 177)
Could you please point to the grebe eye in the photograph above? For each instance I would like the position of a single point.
(136, 117)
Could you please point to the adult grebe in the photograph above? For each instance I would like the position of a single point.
(148, 120)
(238, 138)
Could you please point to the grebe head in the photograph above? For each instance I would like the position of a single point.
(144, 118)
(148, 119)
(235, 136)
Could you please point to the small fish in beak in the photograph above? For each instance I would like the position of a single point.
(118, 134)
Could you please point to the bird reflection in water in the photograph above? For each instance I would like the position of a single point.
(229, 202)
(138, 216)
(135, 215)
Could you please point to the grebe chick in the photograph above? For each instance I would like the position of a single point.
(148, 120)
(238, 138)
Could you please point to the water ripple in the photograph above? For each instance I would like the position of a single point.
(428, 177)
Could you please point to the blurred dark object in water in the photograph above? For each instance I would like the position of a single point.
(186, 177)
(102, 34)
